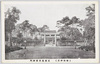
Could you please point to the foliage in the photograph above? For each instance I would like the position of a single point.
(88, 48)
(90, 10)
(19, 35)
(70, 33)
(67, 21)
(33, 29)
(63, 38)
(11, 17)
(11, 49)
(24, 24)
(25, 28)
(9, 25)
(89, 24)
(43, 28)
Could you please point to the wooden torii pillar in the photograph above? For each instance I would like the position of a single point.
(55, 40)
(44, 39)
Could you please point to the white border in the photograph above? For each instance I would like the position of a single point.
(96, 60)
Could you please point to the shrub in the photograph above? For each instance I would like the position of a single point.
(11, 49)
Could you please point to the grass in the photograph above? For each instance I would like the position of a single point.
(50, 53)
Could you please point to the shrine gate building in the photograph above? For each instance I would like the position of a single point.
(50, 37)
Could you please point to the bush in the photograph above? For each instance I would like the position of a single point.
(63, 38)
(11, 48)
(87, 48)
(31, 41)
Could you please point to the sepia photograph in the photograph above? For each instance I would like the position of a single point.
(50, 31)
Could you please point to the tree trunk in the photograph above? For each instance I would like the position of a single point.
(85, 41)
(9, 40)
(23, 33)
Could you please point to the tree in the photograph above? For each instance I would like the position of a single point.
(75, 34)
(74, 20)
(19, 35)
(90, 10)
(24, 27)
(11, 17)
(33, 29)
(39, 29)
(28, 30)
(68, 30)
(70, 33)
(20, 38)
(89, 24)
(43, 28)
(65, 21)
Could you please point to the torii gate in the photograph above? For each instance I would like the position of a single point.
(49, 34)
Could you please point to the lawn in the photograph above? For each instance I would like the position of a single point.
(49, 53)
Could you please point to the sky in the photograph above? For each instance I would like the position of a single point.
(40, 14)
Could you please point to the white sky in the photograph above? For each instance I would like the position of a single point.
(40, 14)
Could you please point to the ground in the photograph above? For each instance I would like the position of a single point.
(43, 52)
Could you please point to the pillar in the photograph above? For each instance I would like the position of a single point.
(44, 39)
(55, 40)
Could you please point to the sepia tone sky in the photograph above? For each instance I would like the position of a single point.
(40, 14)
